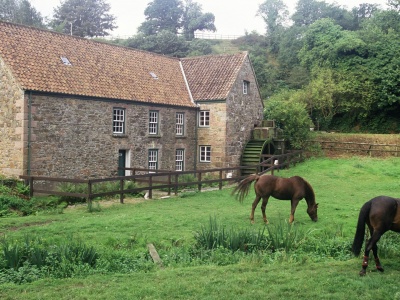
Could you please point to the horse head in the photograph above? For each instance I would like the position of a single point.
(312, 212)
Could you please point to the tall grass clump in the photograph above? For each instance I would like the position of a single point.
(215, 235)
(285, 237)
(44, 259)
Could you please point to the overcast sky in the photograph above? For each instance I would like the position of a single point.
(232, 17)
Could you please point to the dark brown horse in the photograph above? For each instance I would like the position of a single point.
(381, 214)
(293, 189)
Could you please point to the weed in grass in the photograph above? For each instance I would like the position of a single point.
(93, 206)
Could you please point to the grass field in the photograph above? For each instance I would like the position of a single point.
(322, 268)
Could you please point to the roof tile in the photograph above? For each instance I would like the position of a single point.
(97, 69)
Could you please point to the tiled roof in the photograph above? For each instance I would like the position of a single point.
(211, 77)
(97, 69)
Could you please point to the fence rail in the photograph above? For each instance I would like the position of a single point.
(370, 149)
(159, 179)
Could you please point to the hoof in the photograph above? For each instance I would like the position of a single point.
(362, 273)
(379, 268)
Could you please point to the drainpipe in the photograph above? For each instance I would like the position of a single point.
(28, 169)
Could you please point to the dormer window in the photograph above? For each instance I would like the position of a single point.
(65, 61)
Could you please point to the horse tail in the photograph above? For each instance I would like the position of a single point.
(360, 231)
(243, 186)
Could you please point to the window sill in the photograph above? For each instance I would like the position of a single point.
(180, 137)
(154, 136)
(120, 135)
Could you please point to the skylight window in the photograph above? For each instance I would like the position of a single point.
(153, 75)
(65, 61)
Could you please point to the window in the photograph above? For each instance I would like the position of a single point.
(246, 86)
(153, 159)
(204, 118)
(153, 122)
(179, 159)
(205, 153)
(180, 117)
(118, 120)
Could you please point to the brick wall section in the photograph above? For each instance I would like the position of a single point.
(73, 137)
(11, 124)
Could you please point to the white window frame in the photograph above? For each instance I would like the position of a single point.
(180, 123)
(180, 160)
(153, 159)
(205, 154)
(153, 122)
(204, 118)
(118, 120)
(246, 86)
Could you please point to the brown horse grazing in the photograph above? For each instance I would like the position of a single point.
(293, 189)
(381, 214)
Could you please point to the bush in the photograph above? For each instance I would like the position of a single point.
(291, 116)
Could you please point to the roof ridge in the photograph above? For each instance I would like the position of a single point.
(87, 39)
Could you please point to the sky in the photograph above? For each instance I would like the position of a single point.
(232, 17)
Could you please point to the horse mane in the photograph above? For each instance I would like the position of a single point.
(310, 195)
(243, 186)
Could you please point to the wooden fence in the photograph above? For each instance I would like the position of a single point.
(156, 179)
(370, 149)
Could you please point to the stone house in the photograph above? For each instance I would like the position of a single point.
(73, 107)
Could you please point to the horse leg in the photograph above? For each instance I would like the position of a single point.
(377, 261)
(253, 207)
(294, 203)
(371, 244)
(263, 206)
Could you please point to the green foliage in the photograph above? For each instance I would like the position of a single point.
(125, 270)
(164, 42)
(291, 116)
(20, 11)
(174, 16)
(19, 260)
(83, 18)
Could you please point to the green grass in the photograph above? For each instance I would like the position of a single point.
(321, 268)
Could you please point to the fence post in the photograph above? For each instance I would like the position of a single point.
(199, 181)
(176, 185)
(220, 179)
(169, 183)
(150, 187)
(89, 195)
(31, 187)
(121, 195)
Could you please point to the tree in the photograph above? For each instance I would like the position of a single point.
(165, 42)
(20, 11)
(176, 17)
(84, 18)
(194, 19)
(275, 14)
(291, 116)
(162, 15)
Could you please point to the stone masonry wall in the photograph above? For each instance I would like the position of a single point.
(244, 112)
(11, 125)
(214, 136)
(73, 137)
